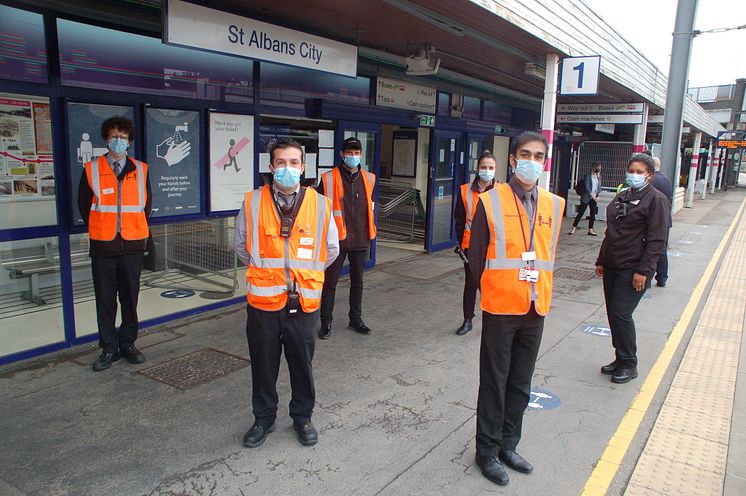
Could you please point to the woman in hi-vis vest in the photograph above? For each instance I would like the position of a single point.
(463, 215)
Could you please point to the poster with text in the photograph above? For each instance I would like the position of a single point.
(85, 142)
(173, 161)
(231, 160)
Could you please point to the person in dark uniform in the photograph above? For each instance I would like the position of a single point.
(511, 253)
(287, 238)
(589, 198)
(662, 183)
(351, 190)
(636, 232)
(463, 215)
(115, 202)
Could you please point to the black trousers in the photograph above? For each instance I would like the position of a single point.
(621, 301)
(331, 277)
(268, 334)
(112, 277)
(510, 345)
(661, 271)
(581, 210)
(470, 293)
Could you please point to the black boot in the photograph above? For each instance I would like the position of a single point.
(465, 327)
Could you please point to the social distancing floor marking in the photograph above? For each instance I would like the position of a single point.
(658, 472)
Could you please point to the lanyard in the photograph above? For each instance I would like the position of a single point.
(530, 244)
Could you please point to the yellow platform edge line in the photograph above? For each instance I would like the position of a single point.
(605, 470)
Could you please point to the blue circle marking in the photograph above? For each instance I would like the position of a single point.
(177, 293)
(596, 330)
(541, 399)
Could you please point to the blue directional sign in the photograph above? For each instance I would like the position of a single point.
(541, 399)
(177, 293)
(596, 330)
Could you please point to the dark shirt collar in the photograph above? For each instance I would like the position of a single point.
(475, 185)
(347, 173)
(518, 190)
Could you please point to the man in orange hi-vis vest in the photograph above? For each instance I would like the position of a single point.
(114, 200)
(511, 252)
(287, 237)
(350, 188)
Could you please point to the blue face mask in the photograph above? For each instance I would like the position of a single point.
(635, 181)
(287, 177)
(352, 161)
(528, 170)
(118, 145)
(486, 175)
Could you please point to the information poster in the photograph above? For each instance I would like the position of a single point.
(231, 160)
(85, 142)
(173, 161)
(26, 164)
(404, 154)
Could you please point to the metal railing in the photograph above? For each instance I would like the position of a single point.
(401, 214)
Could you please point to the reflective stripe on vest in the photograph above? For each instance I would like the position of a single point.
(127, 204)
(503, 293)
(334, 190)
(273, 270)
(470, 199)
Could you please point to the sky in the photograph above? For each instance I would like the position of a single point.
(716, 58)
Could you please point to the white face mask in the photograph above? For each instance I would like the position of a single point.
(486, 175)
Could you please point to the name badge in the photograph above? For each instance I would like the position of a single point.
(305, 254)
(528, 256)
(108, 191)
(306, 241)
(528, 274)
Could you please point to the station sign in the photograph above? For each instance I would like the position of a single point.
(404, 95)
(624, 108)
(579, 76)
(732, 144)
(190, 25)
(606, 128)
(599, 118)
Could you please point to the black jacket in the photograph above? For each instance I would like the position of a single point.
(636, 230)
(588, 187)
(117, 246)
(459, 213)
(354, 210)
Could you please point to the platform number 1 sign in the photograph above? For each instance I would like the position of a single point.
(579, 75)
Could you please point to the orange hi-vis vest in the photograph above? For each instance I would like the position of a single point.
(334, 190)
(280, 264)
(470, 199)
(116, 203)
(502, 292)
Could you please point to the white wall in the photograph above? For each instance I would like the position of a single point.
(501, 151)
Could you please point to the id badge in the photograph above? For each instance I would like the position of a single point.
(523, 274)
(528, 256)
(532, 275)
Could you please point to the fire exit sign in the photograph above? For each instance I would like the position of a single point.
(427, 120)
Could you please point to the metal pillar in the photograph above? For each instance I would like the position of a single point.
(714, 172)
(693, 168)
(707, 170)
(677, 77)
(638, 143)
(721, 170)
(548, 111)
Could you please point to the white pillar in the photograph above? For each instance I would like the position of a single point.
(721, 169)
(715, 167)
(707, 170)
(693, 168)
(638, 143)
(548, 111)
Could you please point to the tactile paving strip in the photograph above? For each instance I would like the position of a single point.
(576, 274)
(196, 368)
(687, 450)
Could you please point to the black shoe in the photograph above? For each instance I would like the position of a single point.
(465, 327)
(307, 434)
(359, 327)
(257, 434)
(622, 376)
(326, 330)
(515, 461)
(610, 368)
(661, 284)
(132, 354)
(104, 361)
(492, 469)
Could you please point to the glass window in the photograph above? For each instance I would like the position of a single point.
(106, 59)
(188, 265)
(472, 108)
(23, 55)
(27, 185)
(30, 291)
(368, 140)
(444, 103)
(291, 84)
(496, 112)
(311, 134)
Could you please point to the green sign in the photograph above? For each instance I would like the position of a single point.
(498, 130)
(427, 120)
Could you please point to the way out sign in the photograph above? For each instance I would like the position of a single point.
(579, 76)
